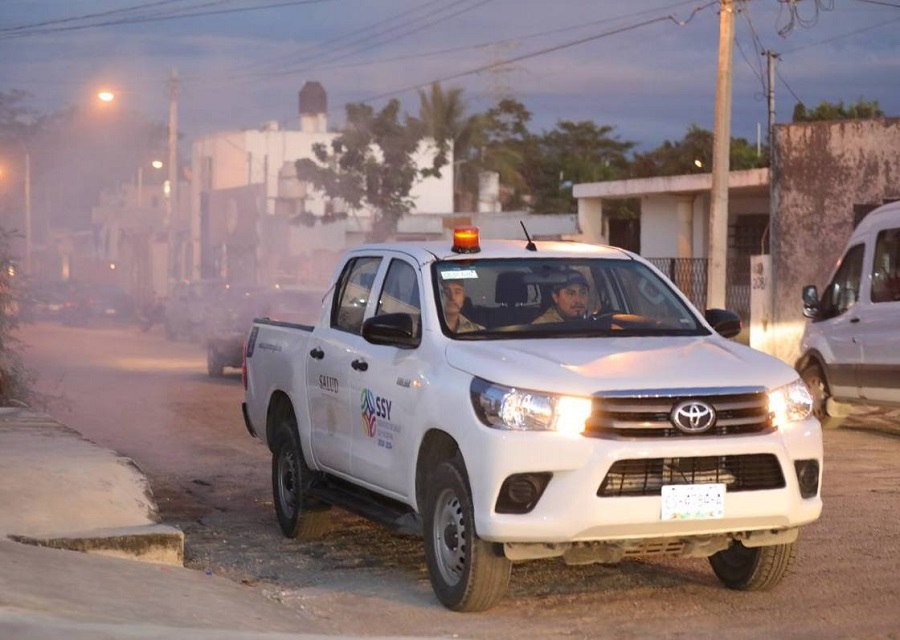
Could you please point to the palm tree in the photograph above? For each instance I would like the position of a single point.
(443, 115)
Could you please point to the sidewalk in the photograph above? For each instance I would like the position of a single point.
(59, 490)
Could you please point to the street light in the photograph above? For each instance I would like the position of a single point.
(156, 164)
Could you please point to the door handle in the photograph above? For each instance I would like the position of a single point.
(854, 320)
(360, 365)
(317, 353)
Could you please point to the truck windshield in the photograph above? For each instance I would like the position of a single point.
(541, 298)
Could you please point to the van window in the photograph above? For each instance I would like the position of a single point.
(886, 267)
(843, 291)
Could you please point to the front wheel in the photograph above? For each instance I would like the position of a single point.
(753, 568)
(818, 386)
(299, 516)
(466, 572)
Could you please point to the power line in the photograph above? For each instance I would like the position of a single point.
(881, 2)
(162, 17)
(338, 39)
(482, 45)
(379, 36)
(842, 35)
(542, 52)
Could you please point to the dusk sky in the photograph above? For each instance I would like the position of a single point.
(645, 67)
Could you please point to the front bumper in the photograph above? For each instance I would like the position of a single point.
(570, 509)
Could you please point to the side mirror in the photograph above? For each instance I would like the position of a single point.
(726, 323)
(394, 329)
(810, 301)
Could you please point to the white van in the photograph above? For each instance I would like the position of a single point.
(851, 345)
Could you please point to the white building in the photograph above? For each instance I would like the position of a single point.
(245, 194)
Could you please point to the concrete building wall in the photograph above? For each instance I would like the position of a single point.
(659, 227)
(823, 170)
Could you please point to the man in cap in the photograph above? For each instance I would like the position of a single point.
(454, 294)
(570, 299)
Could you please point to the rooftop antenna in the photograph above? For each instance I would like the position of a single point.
(530, 246)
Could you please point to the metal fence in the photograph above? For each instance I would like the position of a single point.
(689, 275)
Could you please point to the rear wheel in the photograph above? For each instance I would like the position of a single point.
(753, 568)
(299, 515)
(466, 572)
(814, 378)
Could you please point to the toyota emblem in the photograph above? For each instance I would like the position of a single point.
(693, 416)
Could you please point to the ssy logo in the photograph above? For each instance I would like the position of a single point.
(367, 406)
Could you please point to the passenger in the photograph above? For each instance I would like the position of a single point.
(570, 300)
(454, 294)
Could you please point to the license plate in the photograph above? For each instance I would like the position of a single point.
(693, 501)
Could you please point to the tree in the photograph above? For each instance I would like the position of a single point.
(693, 154)
(16, 381)
(501, 146)
(863, 109)
(371, 164)
(573, 152)
(443, 116)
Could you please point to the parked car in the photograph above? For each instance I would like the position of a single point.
(46, 299)
(186, 308)
(228, 324)
(851, 344)
(86, 304)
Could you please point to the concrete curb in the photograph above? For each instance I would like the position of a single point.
(63, 491)
(157, 543)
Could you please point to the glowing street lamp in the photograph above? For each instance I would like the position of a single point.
(156, 164)
(106, 96)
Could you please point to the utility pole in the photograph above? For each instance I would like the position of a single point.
(718, 209)
(28, 213)
(172, 208)
(771, 57)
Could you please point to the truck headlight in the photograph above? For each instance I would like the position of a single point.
(503, 407)
(790, 403)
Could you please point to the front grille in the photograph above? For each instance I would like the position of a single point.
(647, 414)
(755, 472)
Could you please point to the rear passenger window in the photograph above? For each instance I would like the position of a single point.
(400, 293)
(886, 267)
(354, 287)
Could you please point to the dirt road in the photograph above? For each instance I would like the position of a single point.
(152, 400)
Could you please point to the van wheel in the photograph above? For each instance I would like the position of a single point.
(466, 572)
(299, 516)
(753, 568)
(814, 378)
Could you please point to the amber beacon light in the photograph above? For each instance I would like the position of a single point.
(465, 240)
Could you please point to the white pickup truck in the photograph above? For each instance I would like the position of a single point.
(621, 423)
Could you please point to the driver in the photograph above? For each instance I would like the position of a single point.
(570, 300)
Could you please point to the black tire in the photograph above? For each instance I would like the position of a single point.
(818, 386)
(299, 516)
(753, 568)
(214, 366)
(466, 572)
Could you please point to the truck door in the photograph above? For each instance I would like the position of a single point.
(331, 366)
(879, 326)
(386, 392)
